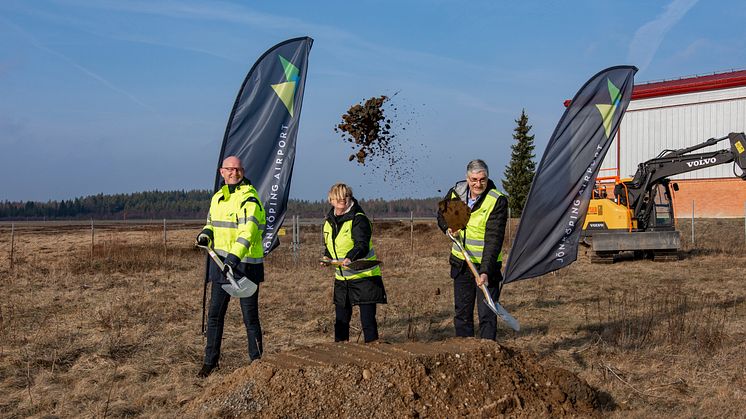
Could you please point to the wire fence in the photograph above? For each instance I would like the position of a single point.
(697, 233)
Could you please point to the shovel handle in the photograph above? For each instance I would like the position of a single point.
(221, 265)
(496, 307)
(473, 268)
(466, 255)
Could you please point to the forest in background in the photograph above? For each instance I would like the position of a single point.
(185, 205)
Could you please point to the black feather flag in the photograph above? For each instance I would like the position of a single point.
(263, 127)
(547, 237)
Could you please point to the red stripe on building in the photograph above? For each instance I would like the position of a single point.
(690, 85)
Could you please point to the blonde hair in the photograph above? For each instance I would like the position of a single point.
(339, 191)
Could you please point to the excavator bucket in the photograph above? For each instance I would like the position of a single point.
(738, 146)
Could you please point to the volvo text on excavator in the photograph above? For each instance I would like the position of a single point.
(640, 216)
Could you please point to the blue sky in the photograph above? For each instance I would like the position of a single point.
(124, 96)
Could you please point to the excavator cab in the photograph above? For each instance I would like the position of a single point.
(662, 216)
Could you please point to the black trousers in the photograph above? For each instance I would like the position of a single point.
(367, 319)
(219, 300)
(465, 294)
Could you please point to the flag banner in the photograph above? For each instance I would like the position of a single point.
(549, 230)
(263, 126)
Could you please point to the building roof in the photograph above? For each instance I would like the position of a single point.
(690, 84)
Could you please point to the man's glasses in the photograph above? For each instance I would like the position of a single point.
(232, 169)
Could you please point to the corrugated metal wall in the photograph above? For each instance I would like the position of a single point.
(672, 122)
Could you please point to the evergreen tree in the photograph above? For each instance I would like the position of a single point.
(520, 172)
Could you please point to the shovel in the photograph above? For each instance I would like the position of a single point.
(495, 307)
(241, 288)
(355, 265)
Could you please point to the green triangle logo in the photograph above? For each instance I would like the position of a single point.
(286, 90)
(607, 111)
(291, 71)
(286, 93)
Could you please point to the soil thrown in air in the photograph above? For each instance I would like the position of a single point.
(367, 128)
(374, 129)
(452, 378)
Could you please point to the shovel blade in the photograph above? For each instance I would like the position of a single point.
(360, 265)
(244, 287)
(355, 265)
(501, 312)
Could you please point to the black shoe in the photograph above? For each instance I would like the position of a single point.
(206, 370)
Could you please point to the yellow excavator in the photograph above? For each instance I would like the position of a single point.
(639, 217)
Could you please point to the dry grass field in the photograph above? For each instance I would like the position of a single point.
(118, 334)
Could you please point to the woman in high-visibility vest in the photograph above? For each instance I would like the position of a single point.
(347, 238)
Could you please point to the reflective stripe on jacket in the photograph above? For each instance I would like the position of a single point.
(340, 243)
(237, 221)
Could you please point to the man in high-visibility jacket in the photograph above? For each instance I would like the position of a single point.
(483, 238)
(235, 227)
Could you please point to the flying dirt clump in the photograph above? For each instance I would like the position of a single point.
(366, 126)
(375, 128)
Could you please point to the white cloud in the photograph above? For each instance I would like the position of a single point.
(649, 36)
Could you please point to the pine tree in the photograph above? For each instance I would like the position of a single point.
(520, 172)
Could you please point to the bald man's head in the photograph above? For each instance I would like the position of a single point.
(232, 170)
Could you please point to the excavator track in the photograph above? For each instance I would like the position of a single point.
(667, 255)
(602, 257)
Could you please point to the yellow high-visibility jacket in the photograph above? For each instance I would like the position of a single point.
(236, 222)
(484, 233)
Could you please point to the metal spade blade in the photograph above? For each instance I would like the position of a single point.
(241, 288)
(355, 265)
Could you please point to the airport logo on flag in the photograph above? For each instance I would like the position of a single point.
(286, 90)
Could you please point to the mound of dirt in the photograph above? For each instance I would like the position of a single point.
(456, 377)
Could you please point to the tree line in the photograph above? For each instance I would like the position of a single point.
(518, 176)
(186, 205)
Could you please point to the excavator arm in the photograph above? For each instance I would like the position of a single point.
(639, 193)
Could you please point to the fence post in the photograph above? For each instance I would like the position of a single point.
(692, 223)
(92, 238)
(295, 244)
(12, 242)
(411, 231)
(296, 232)
(165, 247)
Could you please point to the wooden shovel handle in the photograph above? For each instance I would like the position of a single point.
(469, 263)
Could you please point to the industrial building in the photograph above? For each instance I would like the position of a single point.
(676, 114)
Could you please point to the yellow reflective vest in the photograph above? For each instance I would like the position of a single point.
(472, 237)
(339, 243)
(237, 222)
